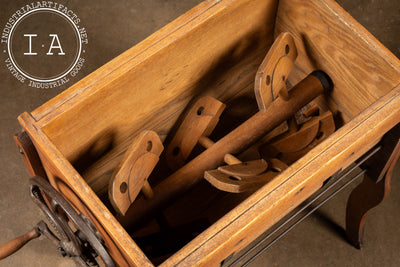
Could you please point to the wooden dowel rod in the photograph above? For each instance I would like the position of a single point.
(228, 158)
(147, 191)
(236, 141)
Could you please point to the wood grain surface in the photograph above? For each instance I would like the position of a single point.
(215, 49)
(328, 38)
(163, 77)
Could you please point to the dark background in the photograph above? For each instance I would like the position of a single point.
(115, 26)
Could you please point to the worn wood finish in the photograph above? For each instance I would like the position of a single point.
(273, 72)
(131, 175)
(236, 141)
(215, 49)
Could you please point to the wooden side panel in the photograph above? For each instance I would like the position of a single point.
(328, 38)
(215, 52)
(64, 177)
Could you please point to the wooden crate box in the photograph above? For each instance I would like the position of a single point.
(215, 49)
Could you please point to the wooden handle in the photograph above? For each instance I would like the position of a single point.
(14, 245)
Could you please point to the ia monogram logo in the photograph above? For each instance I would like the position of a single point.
(55, 38)
(44, 44)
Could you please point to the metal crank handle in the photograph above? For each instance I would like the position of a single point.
(14, 245)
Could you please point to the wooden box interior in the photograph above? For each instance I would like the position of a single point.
(214, 49)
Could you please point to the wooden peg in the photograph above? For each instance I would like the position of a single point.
(272, 74)
(313, 110)
(228, 158)
(231, 178)
(132, 173)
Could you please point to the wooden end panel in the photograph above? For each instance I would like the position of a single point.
(328, 38)
(216, 52)
(65, 179)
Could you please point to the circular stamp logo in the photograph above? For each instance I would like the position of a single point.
(44, 44)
